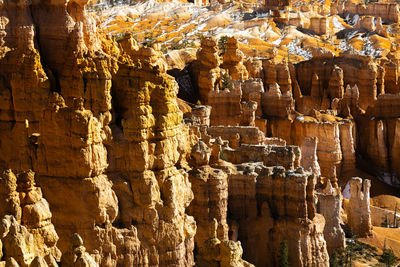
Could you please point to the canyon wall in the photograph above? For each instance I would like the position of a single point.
(116, 179)
(103, 165)
(330, 98)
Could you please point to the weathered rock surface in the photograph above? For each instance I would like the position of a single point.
(330, 206)
(254, 194)
(206, 68)
(78, 255)
(124, 178)
(216, 252)
(124, 189)
(358, 210)
(233, 58)
(210, 187)
(27, 229)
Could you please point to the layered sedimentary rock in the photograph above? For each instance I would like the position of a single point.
(77, 256)
(358, 210)
(336, 83)
(25, 85)
(254, 67)
(216, 252)
(226, 105)
(17, 243)
(206, 68)
(330, 106)
(365, 77)
(348, 145)
(27, 229)
(330, 206)
(77, 168)
(319, 25)
(386, 11)
(233, 58)
(309, 159)
(210, 187)
(253, 90)
(328, 149)
(270, 155)
(237, 135)
(276, 4)
(126, 213)
(148, 154)
(277, 72)
(254, 194)
(336, 142)
(275, 103)
(231, 100)
(128, 183)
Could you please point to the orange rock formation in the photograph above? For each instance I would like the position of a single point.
(103, 165)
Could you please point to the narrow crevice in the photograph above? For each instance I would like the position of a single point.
(51, 75)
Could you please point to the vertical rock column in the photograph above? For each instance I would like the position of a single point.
(70, 156)
(233, 60)
(280, 205)
(336, 84)
(359, 214)
(149, 154)
(210, 187)
(348, 146)
(330, 206)
(24, 87)
(27, 228)
(206, 68)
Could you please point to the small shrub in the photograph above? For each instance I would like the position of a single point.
(333, 261)
(355, 250)
(385, 222)
(181, 44)
(226, 81)
(149, 40)
(222, 44)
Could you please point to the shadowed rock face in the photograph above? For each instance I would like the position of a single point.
(282, 204)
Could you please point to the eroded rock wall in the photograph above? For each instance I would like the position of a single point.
(254, 194)
(115, 179)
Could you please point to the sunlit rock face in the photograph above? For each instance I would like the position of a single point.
(103, 165)
(116, 179)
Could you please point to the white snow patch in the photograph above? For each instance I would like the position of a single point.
(346, 191)
(369, 50)
(294, 48)
(337, 24)
(387, 178)
(344, 46)
(277, 41)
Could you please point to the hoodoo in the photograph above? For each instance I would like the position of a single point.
(215, 133)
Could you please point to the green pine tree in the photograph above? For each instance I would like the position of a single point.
(226, 81)
(283, 254)
(222, 44)
(333, 261)
(384, 222)
(388, 257)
